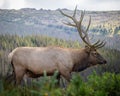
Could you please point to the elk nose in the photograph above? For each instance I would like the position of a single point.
(105, 61)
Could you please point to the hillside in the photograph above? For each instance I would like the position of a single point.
(27, 21)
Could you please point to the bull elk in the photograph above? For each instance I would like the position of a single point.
(33, 61)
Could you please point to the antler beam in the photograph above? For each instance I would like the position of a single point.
(83, 33)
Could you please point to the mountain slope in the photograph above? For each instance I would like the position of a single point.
(32, 21)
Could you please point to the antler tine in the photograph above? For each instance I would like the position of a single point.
(85, 32)
(100, 44)
(83, 38)
(88, 24)
(71, 17)
(96, 43)
(81, 17)
(69, 24)
(75, 11)
(66, 15)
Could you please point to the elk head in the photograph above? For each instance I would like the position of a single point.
(91, 49)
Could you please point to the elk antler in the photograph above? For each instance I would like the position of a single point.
(83, 33)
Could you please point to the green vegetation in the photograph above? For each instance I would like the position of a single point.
(105, 82)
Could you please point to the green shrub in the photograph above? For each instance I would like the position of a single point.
(46, 86)
(78, 87)
(108, 84)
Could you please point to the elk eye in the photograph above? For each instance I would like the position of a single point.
(95, 54)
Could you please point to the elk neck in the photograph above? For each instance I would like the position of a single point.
(80, 59)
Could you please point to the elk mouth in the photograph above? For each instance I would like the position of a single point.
(103, 62)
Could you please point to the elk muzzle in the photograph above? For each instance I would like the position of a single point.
(101, 60)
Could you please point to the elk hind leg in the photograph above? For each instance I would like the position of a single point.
(10, 78)
(19, 73)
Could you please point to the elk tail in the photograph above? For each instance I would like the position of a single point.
(10, 77)
(10, 56)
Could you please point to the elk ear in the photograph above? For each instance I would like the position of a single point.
(87, 49)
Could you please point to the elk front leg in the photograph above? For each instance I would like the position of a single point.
(58, 78)
(66, 75)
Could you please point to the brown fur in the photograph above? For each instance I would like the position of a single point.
(33, 61)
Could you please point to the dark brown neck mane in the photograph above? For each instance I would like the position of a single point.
(80, 59)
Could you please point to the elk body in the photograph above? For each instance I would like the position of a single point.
(33, 61)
